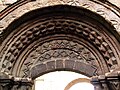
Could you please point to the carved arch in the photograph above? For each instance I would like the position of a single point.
(103, 8)
(49, 29)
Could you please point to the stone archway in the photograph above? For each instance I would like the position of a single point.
(60, 37)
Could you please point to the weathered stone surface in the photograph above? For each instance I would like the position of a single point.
(59, 37)
(105, 9)
(50, 65)
(69, 64)
(37, 70)
(59, 64)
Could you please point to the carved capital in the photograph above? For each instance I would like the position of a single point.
(8, 82)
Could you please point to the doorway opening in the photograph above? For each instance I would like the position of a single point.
(63, 80)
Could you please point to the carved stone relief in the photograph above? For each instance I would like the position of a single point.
(102, 9)
(47, 27)
(54, 42)
(59, 50)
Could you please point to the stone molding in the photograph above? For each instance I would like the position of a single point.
(106, 11)
(49, 26)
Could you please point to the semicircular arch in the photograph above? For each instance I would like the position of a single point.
(56, 32)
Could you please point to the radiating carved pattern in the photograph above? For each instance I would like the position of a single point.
(65, 48)
(59, 49)
(74, 2)
(59, 25)
(91, 5)
(116, 24)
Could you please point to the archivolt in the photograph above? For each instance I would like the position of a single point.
(59, 23)
(18, 9)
